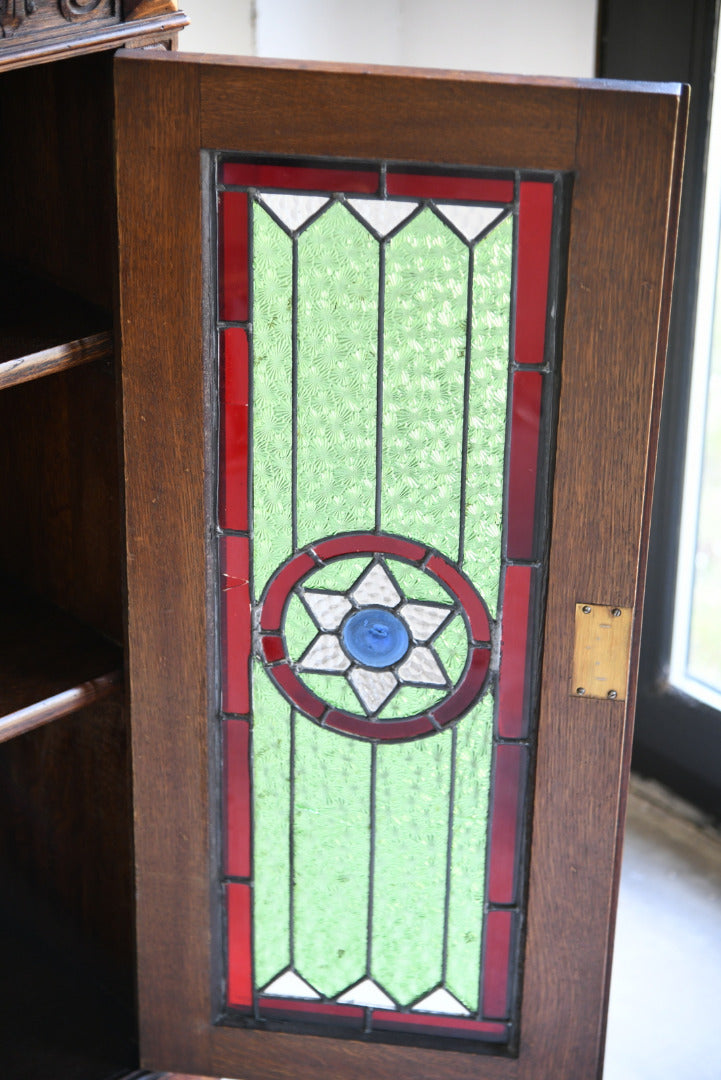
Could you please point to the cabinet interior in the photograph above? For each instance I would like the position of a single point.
(66, 974)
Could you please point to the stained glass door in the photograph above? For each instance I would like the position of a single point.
(384, 448)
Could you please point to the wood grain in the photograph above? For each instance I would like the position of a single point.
(55, 359)
(158, 183)
(621, 146)
(59, 492)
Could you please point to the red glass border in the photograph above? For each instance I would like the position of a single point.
(236, 759)
(508, 775)
(233, 256)
(299, 177)
(236, 623)
(512, 704)
(436, 1025)
(233, 458)
(240, 973)
(523, 470)
(496, 964)
(461, 188)
(351, 1013)
(535, 216)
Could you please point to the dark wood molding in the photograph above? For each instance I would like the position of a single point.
(61, 28)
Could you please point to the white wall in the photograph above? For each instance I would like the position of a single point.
(218, 26)
(527, 37)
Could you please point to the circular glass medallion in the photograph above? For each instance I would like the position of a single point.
(355, 623)
(375, 637)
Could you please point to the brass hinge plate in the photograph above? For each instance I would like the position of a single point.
(602, 651)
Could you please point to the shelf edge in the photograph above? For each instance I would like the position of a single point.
(58, 705)
(57, 358)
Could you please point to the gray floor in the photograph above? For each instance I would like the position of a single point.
(665, 1010)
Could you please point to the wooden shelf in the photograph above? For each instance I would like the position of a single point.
(46, 329)
(50, 664)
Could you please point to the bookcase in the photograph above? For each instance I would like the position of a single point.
(66, 974)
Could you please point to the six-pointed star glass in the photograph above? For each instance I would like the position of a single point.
(375, 636)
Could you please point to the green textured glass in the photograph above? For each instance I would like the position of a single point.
(425, 366)
(452, 648)
(334, 689)
(409, 700)
(426, 303)
(338, 575)
(468, 851)
(332, 853)
(271, 823)
(299, 629)
(337, 353)
(487, 410)
(417, 584)
(272, 397)
(413, 784)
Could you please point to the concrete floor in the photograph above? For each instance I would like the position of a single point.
(665, 1009)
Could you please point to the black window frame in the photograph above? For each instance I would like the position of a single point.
(677, 737)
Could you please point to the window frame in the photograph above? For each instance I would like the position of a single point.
(677, 736)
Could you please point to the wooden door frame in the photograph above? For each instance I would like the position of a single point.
(623, 145)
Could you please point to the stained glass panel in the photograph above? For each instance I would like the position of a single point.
(388, 477)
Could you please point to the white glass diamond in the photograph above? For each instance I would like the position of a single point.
(328, 608)
(376, 588)
(290, 985)
(422, 667)
(381, 214)
(372, 687)
(470, 220)
(423, 619)
(325, 654)
(293, 210)
(440, 1001)
(366, 992)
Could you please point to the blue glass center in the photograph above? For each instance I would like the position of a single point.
(375, 637)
